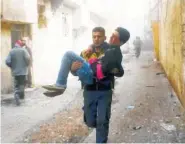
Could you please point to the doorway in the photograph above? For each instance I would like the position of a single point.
(18, 31)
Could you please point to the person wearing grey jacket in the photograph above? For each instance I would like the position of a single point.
(18, 60)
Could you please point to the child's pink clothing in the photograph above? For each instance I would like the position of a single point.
(99, 72)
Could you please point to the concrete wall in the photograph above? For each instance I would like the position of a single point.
(171, 45)
(6, 78)
(19, 11)
(154, 10)
(183, 48)
(50, 43)
(51, 38)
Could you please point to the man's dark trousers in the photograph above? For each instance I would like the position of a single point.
(97, 111)
(19, 85)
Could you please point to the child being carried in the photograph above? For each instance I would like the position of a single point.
(97, 68)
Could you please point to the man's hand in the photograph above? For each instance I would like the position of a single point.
(88, 52)
(114, 71)
(75, 66)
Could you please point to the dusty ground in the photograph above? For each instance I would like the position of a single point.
(152, 105)
(142, 105)
(34, 110)
(152, 109)
(65, 126)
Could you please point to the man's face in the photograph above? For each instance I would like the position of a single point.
(98, 38)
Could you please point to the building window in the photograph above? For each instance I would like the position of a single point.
(42, 20)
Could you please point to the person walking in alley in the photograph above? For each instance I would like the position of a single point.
(137, 46)
(29, 76)
(98, 94)
(18, 60)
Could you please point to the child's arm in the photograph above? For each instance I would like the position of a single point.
(76, 65)
(117, 71)
(86, 53)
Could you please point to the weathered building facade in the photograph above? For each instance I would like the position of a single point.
(16, 18)
(168, 20)
(53, 27)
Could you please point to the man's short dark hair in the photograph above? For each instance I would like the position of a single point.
(99, 29)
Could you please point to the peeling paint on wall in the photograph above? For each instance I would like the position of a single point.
(172, 44)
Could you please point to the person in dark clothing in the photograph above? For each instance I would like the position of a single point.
(98, 68)
(29, 76)
(137, 46)
(98, 95)
(18, 60)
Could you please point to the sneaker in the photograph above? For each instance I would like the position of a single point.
(53, 93)
(53, 88)
(17, 100)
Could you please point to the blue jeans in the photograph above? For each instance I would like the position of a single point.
(85, 73)
(97, 111)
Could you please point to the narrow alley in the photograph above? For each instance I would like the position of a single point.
(144, 109)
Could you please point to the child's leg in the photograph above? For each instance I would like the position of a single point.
(61, 83)
(67, 60)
